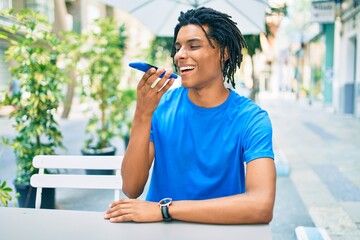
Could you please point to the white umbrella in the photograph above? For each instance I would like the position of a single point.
(160, 16)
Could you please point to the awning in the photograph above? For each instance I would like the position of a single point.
(160, 16)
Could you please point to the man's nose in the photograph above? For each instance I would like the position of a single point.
(182, 53)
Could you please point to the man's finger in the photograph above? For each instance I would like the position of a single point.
(146, 76)
(153, 85)
(163, 81)
(167, 85)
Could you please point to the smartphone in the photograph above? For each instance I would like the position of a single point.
(142, 66)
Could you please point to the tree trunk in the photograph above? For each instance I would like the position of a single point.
(61, 25)
(69, 95)
(255, 81)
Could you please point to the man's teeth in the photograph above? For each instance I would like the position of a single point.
(187, 68)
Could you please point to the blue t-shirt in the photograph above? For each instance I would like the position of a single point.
(200, 152)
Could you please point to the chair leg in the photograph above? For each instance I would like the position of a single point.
(117, 195)
(38, 197)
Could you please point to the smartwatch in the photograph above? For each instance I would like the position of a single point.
(164, 207)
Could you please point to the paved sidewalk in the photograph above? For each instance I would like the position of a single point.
(317, 157)
(322, 151)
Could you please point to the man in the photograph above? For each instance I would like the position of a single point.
(198, 137)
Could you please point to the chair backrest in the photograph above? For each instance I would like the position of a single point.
(43, 180)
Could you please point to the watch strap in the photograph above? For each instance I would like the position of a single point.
(165, 213)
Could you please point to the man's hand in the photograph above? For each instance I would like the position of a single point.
(133, 210)
(151, 88)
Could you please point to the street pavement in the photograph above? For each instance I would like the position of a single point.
(321, 149)
(317, 159)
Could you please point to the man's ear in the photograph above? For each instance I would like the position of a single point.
(226, 54)
(225, 58)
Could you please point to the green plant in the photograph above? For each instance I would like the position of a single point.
(5, 193)
(253, 44)
(160, 49)
(126, 111)
(103, 49)
(33, 51)
(69, 59)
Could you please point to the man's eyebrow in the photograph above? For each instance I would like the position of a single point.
(189, 41)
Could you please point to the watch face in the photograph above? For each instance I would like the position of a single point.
(165, 201)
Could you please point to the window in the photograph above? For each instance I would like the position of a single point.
(42, 6)
(5, 4)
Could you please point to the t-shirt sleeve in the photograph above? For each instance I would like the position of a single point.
(153, 127)
(258, 138)
(151, 134)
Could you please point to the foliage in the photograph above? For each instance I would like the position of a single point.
(69, 49)
(125, 111)
(103, 51)
(281, 9)
(5, 193)
(33, 51)
(317, 75)
(253, 43)
(160, 49)
(276, 10)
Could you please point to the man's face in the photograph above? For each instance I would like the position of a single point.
(197, 61)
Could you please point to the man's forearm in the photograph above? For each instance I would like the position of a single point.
(136, 163)
(238, 209)
(254, 206)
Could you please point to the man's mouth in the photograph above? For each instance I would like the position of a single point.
(186, 69)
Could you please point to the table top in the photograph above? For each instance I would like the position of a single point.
(26, 223)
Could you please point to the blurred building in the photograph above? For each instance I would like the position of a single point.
(346, 83)
(328, 57)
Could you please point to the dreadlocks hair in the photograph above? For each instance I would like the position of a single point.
(221, 29)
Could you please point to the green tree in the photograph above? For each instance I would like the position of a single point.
(103, 49)
(253, 44)
(160, 49)
(33, 51)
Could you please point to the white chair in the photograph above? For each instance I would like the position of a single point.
(43, 180)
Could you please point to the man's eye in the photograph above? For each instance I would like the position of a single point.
(194, 46)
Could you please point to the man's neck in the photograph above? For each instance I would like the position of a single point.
(208, 98)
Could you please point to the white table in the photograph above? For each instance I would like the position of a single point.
(38, 224)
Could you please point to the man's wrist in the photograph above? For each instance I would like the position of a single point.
(164, 205)
(142, 118)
